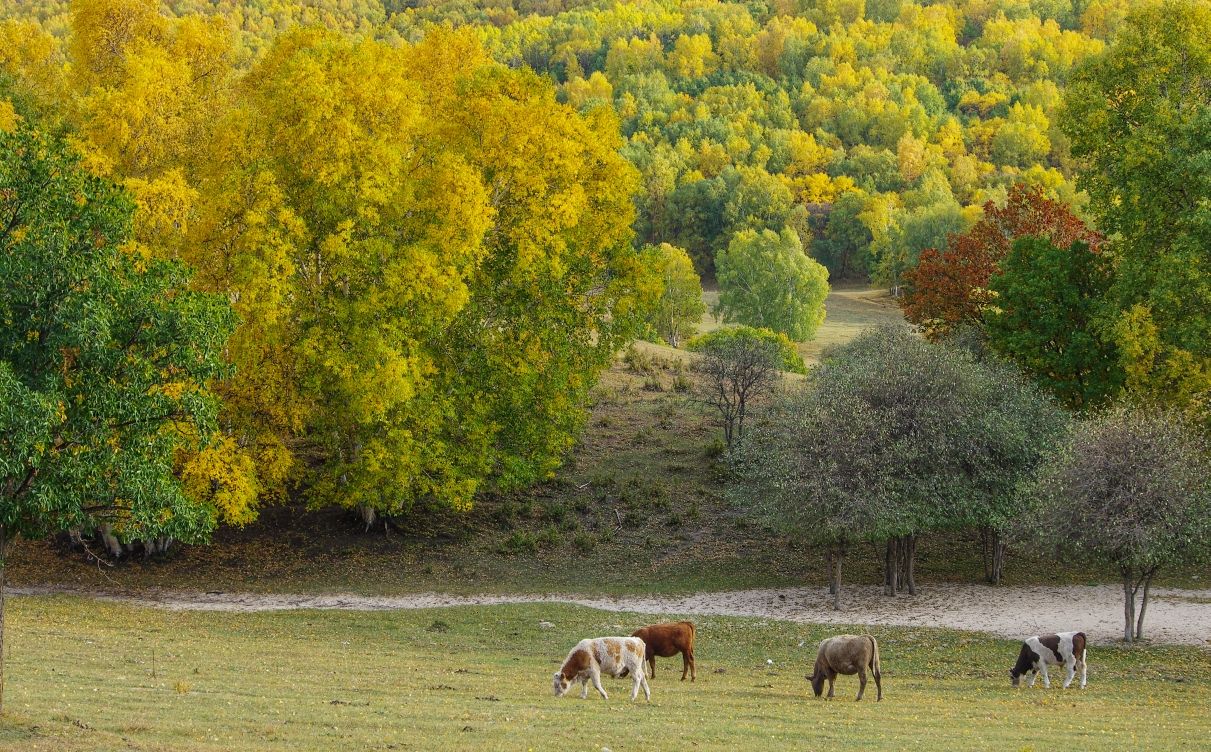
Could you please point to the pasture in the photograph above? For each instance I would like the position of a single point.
(86, 675)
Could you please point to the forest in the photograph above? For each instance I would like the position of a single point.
(407, 238)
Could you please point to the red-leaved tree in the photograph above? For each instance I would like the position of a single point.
(948, 288)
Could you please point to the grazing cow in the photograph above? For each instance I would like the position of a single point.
(666, 641)
(615, 656)
(847, 654)
(1040, 651)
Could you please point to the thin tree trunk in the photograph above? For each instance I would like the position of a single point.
(998, 558)
(889, 568)
(901, 562)
(1139, 624)
(832, 580)
(1128, 607)
(837, 581)
(3, 563)
(910, 556)
(368, 515)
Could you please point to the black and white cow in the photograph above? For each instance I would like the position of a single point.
(1041, 651)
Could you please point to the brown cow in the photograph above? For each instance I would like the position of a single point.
(666, 641)
(846, 654)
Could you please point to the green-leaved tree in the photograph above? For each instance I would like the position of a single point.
(891, 437)
(1139, 116)
(1044, 317)
(679, 308)
(104, 360)
(1132, 491)
(766, 280)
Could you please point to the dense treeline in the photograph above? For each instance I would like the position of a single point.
(877, 127)
(431, 258)
(873, 128)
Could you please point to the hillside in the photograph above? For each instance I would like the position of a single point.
(637, 508)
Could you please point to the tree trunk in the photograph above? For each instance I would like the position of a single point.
(1128, 607)
(832, 581)
(910, 557)
(837, 581)
(994, 555)
(368, 515)
(889, 568)
(998, 559)
(3, 562)
(1139, 624)
(115, 547)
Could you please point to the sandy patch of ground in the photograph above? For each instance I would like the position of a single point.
(1179, 617)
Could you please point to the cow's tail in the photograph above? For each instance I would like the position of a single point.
(874, 655)
(693, 634)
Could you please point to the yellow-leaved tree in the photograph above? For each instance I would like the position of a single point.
(156, 108)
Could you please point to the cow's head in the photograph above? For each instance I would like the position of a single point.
(562, 683)
(817, 679)
(1025, 663)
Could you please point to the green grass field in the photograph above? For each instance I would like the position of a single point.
(81, 676)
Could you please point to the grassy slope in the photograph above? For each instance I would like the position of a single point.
(643, 458)
(81, 677)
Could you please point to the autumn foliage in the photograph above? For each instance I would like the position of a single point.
(430, 256)
(950, 287)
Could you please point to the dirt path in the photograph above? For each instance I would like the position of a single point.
(1180, 617)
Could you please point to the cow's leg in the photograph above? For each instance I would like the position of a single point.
(639, 680)
(597, 684)
(861, 684)
(693, 666)
(878, 684)
(584, 687)
(1046, 678)
(651, 665)
(1034, 675)
(685, 663)
(1084, 667)
(1069, 672)
(832, 677)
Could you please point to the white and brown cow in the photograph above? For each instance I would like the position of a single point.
(592, 657)
(1041, 651)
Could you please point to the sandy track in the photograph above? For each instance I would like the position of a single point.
(1180, 617)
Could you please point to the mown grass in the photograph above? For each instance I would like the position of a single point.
(81, 676)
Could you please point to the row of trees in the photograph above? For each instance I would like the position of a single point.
(894, 437)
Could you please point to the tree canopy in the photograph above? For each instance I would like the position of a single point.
(891, 437)
(105, 358)
(1140, 115)
(1046, 305)
(1130, 490)
(431, 256)
(767, 281)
